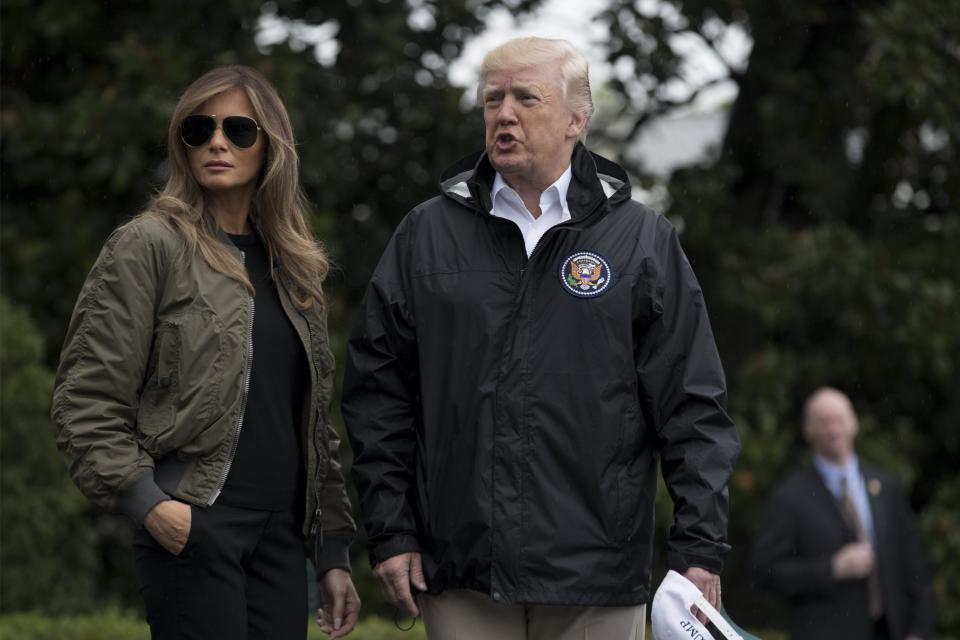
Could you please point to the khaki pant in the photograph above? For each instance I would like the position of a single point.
(468, 615)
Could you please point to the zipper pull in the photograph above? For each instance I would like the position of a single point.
(317, 534)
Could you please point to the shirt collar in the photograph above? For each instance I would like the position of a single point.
(556, 192)
(833, 473)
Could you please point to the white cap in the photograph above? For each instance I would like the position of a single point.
(671, 616)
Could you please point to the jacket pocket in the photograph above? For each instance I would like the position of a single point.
(629, 485)
(157, 411)
(194, 535)
(180, 400)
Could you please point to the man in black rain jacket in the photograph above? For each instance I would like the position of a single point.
(531, 340)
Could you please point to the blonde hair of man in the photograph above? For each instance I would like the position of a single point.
(531, 51)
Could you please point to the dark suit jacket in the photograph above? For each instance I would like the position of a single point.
(801, 530)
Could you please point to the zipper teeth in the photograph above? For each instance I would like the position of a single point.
(243, 398)
(316, 436)
(533, 251)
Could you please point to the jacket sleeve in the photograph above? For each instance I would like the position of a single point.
(380, 396)
(683, 393)
(338, 527)
(777, 562)
(101, 370)
(916, 587)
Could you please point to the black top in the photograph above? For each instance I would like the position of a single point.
(268, 469)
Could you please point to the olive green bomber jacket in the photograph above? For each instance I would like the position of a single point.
(151, 388)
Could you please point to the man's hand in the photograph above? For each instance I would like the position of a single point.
(169, 523)
(853, 561)
(395, 575)
(709, 585)
(340, 604)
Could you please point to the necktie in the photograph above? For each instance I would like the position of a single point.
(852, 515)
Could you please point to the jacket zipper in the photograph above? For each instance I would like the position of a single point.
(243, 397)
(527, 259)
(315, 525)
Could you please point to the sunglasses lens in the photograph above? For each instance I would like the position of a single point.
(241, 131)
(195, 130)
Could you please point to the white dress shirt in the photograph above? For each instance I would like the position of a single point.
(833, 476)
(553, 208)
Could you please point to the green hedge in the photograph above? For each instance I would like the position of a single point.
(121, 625)
(46, 533)
(107, 625)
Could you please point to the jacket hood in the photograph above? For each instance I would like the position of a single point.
(595, 180)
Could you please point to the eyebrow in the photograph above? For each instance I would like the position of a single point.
(516, 87)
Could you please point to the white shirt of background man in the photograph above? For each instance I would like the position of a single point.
(553, 208)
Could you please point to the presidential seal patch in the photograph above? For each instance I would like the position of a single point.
(585, 274)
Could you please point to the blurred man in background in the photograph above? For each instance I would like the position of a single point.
(838, 540)
(530, 342)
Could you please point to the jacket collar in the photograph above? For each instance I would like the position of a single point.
(222, 236)
(595, 181)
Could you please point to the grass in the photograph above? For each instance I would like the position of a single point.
(120, 625)
(112, 624)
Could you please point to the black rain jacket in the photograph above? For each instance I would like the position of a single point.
(506, 413)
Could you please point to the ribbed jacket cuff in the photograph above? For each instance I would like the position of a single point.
(140, 497)
(334, 553)
(680, 562)
(403, 543)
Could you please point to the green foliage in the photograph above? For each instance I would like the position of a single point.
(113, 624)
(116, 625)
(47, 559)
(107, 625)
(87, 90)
(913, 56)
(939, 528)
(824, 232)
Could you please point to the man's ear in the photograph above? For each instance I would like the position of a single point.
(576, 125)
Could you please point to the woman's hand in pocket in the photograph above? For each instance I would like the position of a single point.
(169, 523)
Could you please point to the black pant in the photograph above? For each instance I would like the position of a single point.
(241, 576)
(880, 629)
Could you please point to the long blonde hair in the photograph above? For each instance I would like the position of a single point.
(279, 208)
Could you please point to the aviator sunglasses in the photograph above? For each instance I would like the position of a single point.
(240, 130)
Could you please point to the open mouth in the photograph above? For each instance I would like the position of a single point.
(505, 141)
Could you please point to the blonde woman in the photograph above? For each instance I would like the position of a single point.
(195, 379)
